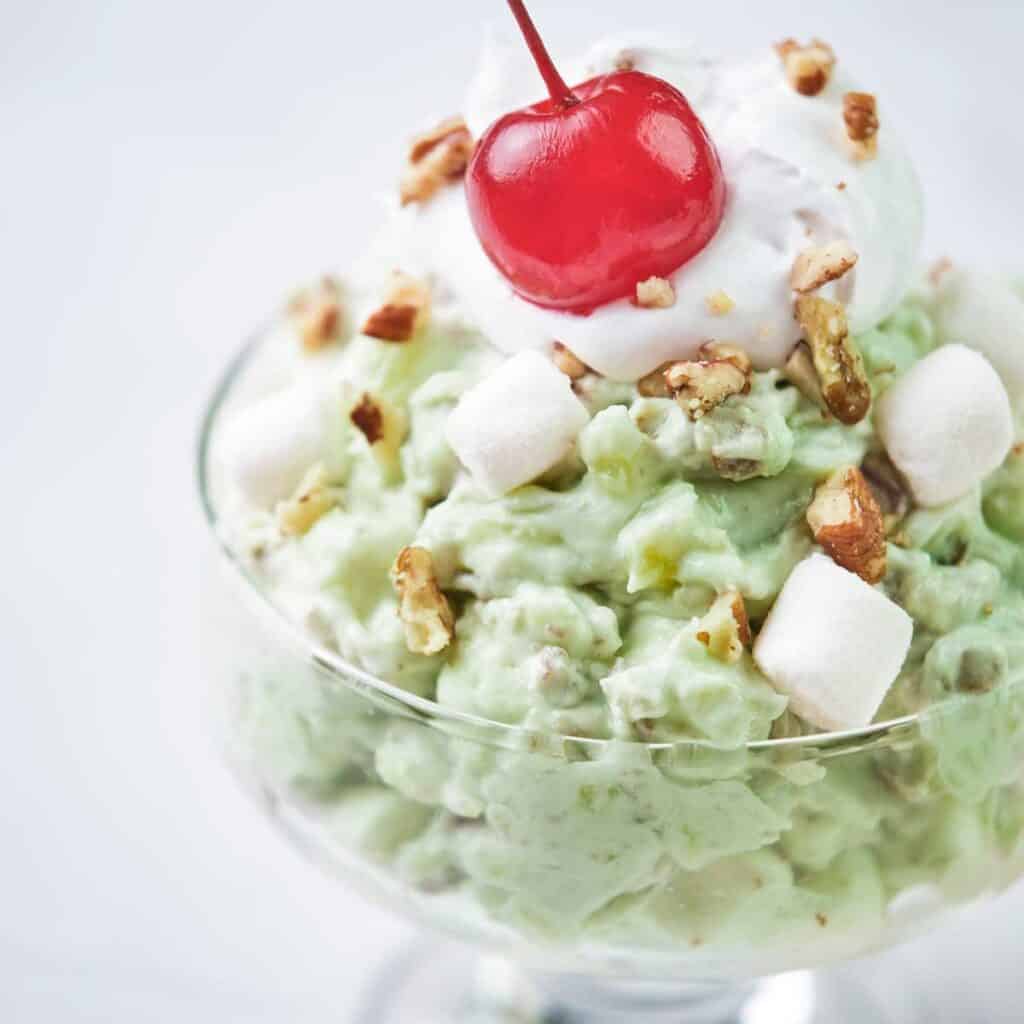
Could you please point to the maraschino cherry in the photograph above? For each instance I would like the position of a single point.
(577, 198)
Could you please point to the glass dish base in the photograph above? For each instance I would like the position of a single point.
(439, 982)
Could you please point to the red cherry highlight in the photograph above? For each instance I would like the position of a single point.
(577, 198)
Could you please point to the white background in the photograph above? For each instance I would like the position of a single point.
(167, 173)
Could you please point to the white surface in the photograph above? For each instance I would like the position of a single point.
(167, 172)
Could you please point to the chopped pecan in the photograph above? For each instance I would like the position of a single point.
(726, 352)
(422, 607)
(703, 384)
(725, 629)
(573, 367)
(317, 314)
(837, 360)
(800, 372)
(369, 419)
(889, 488)
(312, 499)
(436, 158)
(653, 384)
(383, 426)
(655, 293)
(719, 303)
(808, 67)
(847, 522)
(814, 268)
(406, 308)
(860, 113)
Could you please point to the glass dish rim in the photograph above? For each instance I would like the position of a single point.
(347, 672)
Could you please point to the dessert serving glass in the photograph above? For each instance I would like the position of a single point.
(604, 880)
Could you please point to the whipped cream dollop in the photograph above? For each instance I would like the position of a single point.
(793, 183)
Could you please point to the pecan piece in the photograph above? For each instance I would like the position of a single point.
(800, 372)
(312, 499)
(568, 362)
(808, 67)
(703, 384)
(837, 360)
(436, 158)
(404, 311)
(725, 629)
(814, 268)
(860, 114)
(847, 522)
(422, 607)
(655, 293)
(317, 314)
(653, 384)
(383, 426)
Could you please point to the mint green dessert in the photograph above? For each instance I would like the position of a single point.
(592, 632)
(698, 631)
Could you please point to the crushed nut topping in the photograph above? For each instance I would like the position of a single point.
(573, 367)
(837, 360)
(703, 384)
(655, 293)
(800, 372)
(847, 522)
(369, 419)
(860, 113)
(422, 607)
(653, 384)
(317, 314)
(808, 67)
(725, 629)
(383, 425)
(312, 499)
(726, 352)
(720, 303)
(814, 268)
(436, 158)
(889, 488)
(405, 310)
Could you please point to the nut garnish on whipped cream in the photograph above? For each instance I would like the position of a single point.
(655, 293)
(703, 384)
(860, 114)
(808, 68)
(819, 266)
(436, 158)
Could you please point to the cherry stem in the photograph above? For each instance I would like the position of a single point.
(561, 94)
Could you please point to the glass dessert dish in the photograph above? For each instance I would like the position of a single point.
(622, 569)
(605, 880)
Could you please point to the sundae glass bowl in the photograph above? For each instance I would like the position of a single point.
(591, 880)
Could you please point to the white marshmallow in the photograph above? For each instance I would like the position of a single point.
(833, 644)
(985, 313)
(946, 423)
(266, 447)
(516, 423)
